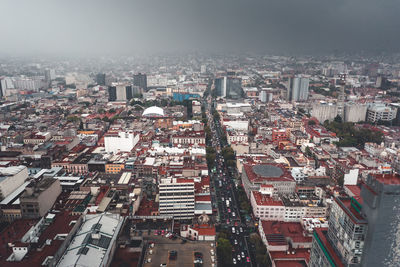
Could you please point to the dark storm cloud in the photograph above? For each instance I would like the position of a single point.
(129, 27)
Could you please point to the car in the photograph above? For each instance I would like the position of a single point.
(163, 265)
(173, 254)
(241, 229)
(233, 230)
(229, 210)
(183, 241)
(227, 221)
(238, 257)
(248, 259)
(242, 254)
(233, 214)
(234, 261)
(198, 255)
(235, 242)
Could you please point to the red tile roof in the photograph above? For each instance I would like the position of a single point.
(290, 230)
(264, 200)
(204, 198)
(204, 229)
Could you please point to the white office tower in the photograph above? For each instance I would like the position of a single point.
(298, 88)
(120, 141)
(176, 197)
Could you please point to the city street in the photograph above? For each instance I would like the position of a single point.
(227, 203)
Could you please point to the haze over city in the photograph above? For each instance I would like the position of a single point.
(133, 27)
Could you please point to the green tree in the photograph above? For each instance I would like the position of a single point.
(338, 119)
(311, 122)
(224, 251)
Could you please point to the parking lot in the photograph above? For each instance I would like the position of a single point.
(185, 258)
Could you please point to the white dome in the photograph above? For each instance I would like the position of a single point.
(153, 111)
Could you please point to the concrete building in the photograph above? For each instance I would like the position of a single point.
(38, 198)
(140, 80)
(381, 206)
(297, 88)
(381, 112)
(254, 176)
(324, 111)
(93, 242)
(177, 198)
(355, 112)
(265, 205)
(342, 243)
(229, 87)
(347, 230)
(11, 178)
(121, 92)
(120, 141)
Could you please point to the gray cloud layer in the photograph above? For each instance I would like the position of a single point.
(129, 27)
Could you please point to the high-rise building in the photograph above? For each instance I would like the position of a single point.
(229, 87)
(49, 75)
(177, 197)
(101, 79)
(342, 244)
(297, 88)
(3, 87)
(140, 80)
(381, 206)
(203, 69)
(121, 92)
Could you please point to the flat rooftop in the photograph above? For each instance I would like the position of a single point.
(267, 170)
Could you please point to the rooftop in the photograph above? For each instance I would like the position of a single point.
(267, 170)
(264, 200)
(270, 172)
(388, 179)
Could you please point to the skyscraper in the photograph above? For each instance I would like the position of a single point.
(297, 88)
(121, 92)
(229, 87)
(381, 206)
(3, 87)
(140, 80)
(49, 75)
(101, 79)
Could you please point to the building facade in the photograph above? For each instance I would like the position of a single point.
(38, 198)
(381, 206)
(177, 198)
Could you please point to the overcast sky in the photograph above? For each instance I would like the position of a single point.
(96, 27)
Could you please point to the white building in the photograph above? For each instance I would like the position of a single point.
(237, 125)
(351, 178)
(265, 206)
(94, 242)
(177, 197)
(381, 112)
(11, 178)
(120, 142)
